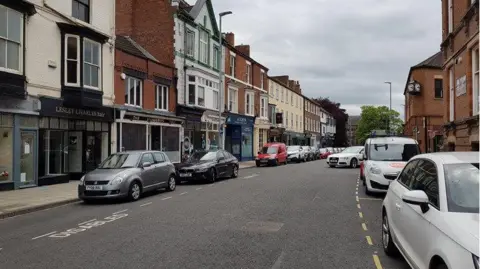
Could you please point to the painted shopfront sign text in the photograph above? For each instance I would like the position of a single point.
(79, 112)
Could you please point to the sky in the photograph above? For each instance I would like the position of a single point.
(344, 50)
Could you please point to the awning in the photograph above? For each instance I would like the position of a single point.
(212, 117)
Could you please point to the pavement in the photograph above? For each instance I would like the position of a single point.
(23, 201)
(301, 215)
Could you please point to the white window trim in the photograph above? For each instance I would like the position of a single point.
(206, 43)
(159, 87)
(197, 90)
(235, 105)
(99, 64)
(252, 103)
(476, 82)
(216, 101)
(262, 78)
(190, 32)
(135, 96)
(216, 57)
(265, 109)
(65, 71)
(22, 32)
(248, 72)
(451, 105)
(450, 15)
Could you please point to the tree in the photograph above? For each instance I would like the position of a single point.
(340, 116)
(378, 118)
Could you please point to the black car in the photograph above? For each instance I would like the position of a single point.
(208, 166)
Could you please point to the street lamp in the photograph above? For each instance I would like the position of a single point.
(222, 75)
(389, 83)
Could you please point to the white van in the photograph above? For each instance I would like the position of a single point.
(384, 159)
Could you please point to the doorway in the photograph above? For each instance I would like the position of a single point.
(93, 150)
(28, 153)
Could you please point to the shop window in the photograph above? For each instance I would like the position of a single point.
(6, 148)
(133, 137)
(11, 40)
(171, 143)
(133, 91)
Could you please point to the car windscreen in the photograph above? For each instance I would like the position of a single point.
(203, 156)
(352, 150)
(293, 148)
(393, 152)
(269, 150)
(462, 183)
(120, 160)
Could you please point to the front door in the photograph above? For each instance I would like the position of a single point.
(93, 151)
(28, 149)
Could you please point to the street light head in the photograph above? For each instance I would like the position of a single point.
(388, 82)
(225, 13)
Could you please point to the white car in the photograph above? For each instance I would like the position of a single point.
(350, 157)
(384, 158)
(431, 212)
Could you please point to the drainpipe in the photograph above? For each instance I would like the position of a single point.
(184, 63)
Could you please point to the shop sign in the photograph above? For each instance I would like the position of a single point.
(29, 104)
(240, 120)
(247, 130)
(54, 108)
(148, 119)
(461, 85)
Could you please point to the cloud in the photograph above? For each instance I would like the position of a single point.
(344, 50)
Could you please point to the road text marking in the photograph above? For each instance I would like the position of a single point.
(86, 226)
(369, 240)
(44, 235)
(149, 203)
(376, 260)
(118, 212)
(279, 261)
(183, 193)
(87, 221)
(371, 199)
(166, 198)
(364, 226)
(199, 188)
(360, 214)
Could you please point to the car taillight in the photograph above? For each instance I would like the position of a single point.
(361, 168)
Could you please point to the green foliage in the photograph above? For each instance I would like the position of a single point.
(377, 118)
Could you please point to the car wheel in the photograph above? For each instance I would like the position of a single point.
(276, 162)
(135, 191)
(353, 163)
(388, 246)
(172, 183)
(213, 175)
(441, 266)
(258, 164)
(235, 171)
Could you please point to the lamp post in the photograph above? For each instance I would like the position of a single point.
(390, 84)
(222, 75)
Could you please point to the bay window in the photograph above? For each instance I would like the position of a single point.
(249, 103)
(215, 100)
(72, 60)
(133, 91)
(91, 64)
(161, 97)
(11, 40)
(204, 38)
(216, 57)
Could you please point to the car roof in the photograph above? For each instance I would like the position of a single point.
(451, 157)
(136, 151)
(274, 144)
(392, 140)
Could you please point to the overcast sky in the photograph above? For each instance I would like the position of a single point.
(343, 50)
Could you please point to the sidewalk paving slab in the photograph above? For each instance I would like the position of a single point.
(18, 202)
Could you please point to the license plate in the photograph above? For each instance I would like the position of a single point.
(264, 161)
(333, 161)
(93, 188)
(186, 175)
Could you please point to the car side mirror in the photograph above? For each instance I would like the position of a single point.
(364, 157)
(221, 158)
(146, 164)
(417, 197)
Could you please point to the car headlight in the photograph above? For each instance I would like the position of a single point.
(116, 181)
(375, 170)
(476, 261)
(201, 169)
(82, 181)
(344, 158)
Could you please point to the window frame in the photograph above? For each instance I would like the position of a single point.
(233, 104)
(164, 97)
(440, 89)
(203, 46)
(190, 43)
(415, 161)
(250, 106)
(82, 72)
(66, 59)
(197, 100)
(87, 6)
(248, 72)
(127, 79)
(264, 109)
(216, 57)
(216, 103)
(21, 44)
(232, 65)
(438, 182)
(451, 103)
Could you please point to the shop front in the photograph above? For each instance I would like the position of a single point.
(149, 130)
(73, 141)
(260, 133)
(239, 136)
(18, 142)
(294, 138)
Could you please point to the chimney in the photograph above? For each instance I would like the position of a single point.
(292, 85)
(245, 49)
(283, 79)
(230, 38)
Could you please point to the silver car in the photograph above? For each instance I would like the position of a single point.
(128, 175)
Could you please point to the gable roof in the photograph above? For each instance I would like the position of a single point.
(195, 11)
(128, 45)
(433, 62)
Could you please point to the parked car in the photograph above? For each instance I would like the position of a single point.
(128, 175)
(272, 154)
(208, 166)
(431, 211)
(324, 153)
(350, 157)
(295, 154)
(384, 158)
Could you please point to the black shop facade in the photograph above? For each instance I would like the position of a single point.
(72, 140)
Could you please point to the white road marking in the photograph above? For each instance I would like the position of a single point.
(183, 193)
(166, 198)
(278, 262)
(371, 199)
(250, 176)
(87, 221)
(121, 211)
(211, 185)
(149, 203)
(44, 235)
(199, 188)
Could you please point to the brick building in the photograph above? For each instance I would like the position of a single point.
(312, 123)
(246, 100)
(424, 103)
(461, 78)
(352, 125)
(144, 79)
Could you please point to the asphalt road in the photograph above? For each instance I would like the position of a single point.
(295, 216)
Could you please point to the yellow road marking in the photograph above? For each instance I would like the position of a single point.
(376, 260)
(364, 226)
(360, 214)
(369, 240)
(358, 205)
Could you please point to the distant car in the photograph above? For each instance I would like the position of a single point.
(128, 175)
(431, 211)
(295, 154)
(324, 153)
(350, 157)
(310, 151)
(208, 166)
(272, 154)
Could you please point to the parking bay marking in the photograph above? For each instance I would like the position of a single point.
(376, 260)
(87, 221)
(85, 226)
(183, 193)
(166, 198)
(364, 226)
(121, 211)
(250, 176)
(371, 199)
(369, 240)
(149, 203)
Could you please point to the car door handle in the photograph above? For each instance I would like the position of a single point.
(398, 206)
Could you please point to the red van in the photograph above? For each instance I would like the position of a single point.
(272, 154)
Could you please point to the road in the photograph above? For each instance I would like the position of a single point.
(295, 216)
